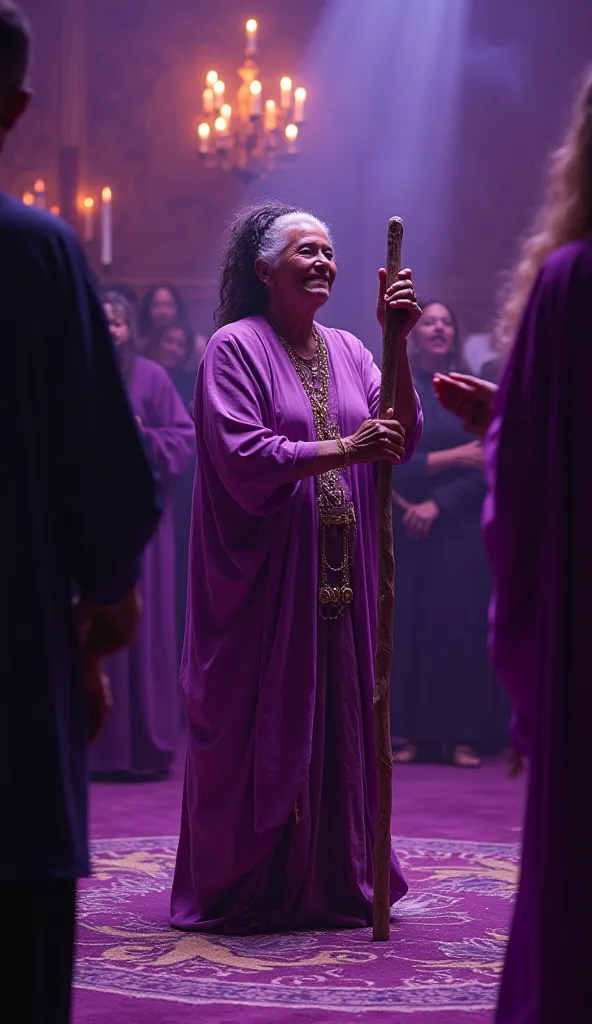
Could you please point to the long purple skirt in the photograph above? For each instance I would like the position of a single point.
(315, 872)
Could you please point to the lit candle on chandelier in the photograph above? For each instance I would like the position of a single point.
(299, 101)
(208, 101)
(226, 112)
(251, 28)
(255, 90)
(286, 93)
(29, 199)
(219, 89)
(270, 116)
(39, 193)
(221, 126)
(88, 219)
(55, 210)
(204, 132)
(106, 227)
(291, 136)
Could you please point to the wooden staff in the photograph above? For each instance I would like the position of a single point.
(386, 606)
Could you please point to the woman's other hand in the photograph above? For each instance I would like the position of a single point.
(401, 296)
(469, 398)
(419, 519)
(470, 456)
(376, 440)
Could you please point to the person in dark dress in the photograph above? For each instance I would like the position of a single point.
(444, 698)
(172, 347)
(79, 503)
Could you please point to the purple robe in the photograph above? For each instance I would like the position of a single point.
(538, 533)
(280, 791)
(142, 731)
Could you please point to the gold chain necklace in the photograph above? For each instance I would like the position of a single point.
(336, 511)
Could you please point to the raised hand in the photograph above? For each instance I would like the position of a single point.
(401, 295)
(469, 398)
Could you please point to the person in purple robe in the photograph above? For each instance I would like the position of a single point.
(277, 828)
(539, 539)
(142, 733)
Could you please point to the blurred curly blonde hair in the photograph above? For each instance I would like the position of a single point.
(565, 215)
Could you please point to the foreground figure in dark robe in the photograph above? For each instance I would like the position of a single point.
(142, 733)
(538, 536)
(445, 701)
(79, 504)
(279, 805)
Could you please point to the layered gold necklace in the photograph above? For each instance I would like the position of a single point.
(336, 510)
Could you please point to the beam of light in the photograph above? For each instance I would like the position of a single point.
(381, 138)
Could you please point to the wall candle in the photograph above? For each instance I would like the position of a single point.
(299, 101)
(251, 28)
(88, 219)
(270, 116)
(106, 227)
(255, 90)
(204, 133)
(219, 89)
(286, 93)
(39, 193)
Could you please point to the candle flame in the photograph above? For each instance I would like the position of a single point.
(255, 88)
(106, 195)
(220, 124)
(55, 210)
(300, 95)
(219, 87)
(203, 130)
(39, 185)
(28, 199)
(291, 132)
(286, 84)
(226, 111)
(212, 77)
(270, 106)
(88, 203)
(251, 26)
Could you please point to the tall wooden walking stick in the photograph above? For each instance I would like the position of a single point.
(386, 606)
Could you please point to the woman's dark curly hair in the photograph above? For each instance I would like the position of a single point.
(145, 325)
(456, 361)
(241, 291)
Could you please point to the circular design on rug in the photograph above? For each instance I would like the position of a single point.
(446, 951)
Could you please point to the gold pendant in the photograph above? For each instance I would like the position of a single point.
(347, 595)
(325, 595)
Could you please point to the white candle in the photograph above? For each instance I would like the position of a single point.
(106, 227)
(299, 101)
(251, 28)
(39, 193)
(204, 133)
(270, 115)
(219, 88)
(208, 101)
(286, 91)
(291, 136)
(255, 90)
(88, 219)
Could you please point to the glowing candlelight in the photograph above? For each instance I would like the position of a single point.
(270, 115)
(55, 210)
(212, 78)
(106, 227)
(219, 89)
(221, 126)
(39, 193)
(286, 93)
(255, 90)
(204, 133)
(251, 28)
(88, 219)
(29, 199)
(299, 101)
(291, 136)
(208, 101)
(226, 111)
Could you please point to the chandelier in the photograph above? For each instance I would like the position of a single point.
(249, 136)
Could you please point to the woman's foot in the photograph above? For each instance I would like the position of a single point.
(464, 757)
(406, 754)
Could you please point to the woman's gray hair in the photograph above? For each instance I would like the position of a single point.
(274, 242)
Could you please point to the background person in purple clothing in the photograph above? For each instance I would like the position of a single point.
(79, 504)
(278, 812)
(538, 535)
(142, 732)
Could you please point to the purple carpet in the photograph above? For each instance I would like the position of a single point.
(459, 847)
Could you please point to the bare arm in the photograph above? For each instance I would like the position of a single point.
(439, 462)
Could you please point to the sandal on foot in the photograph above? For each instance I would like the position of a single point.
(406, 754)
(465, 757)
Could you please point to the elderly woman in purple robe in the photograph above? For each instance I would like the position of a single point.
(142, 732)
(539, 540)
(277, 826)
